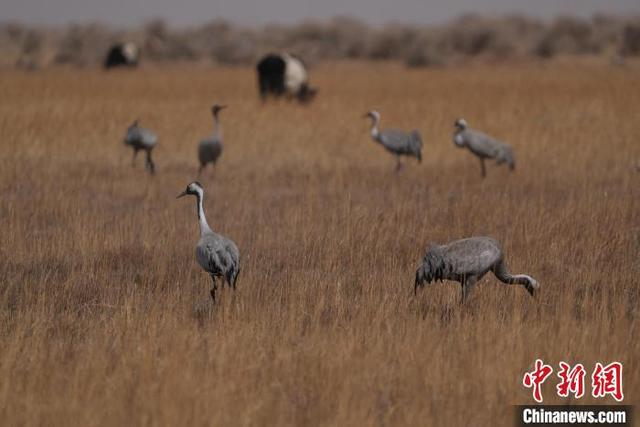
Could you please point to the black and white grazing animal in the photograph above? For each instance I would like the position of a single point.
(141, 139)
(216, 254)
(483, 146)
(210, 149)
(466, 261)
(122, 55)
(284, 74)
(396, 142)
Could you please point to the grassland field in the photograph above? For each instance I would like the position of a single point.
(105, 316)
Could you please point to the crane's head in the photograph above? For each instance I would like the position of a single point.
(533, 286)
(460, 124)
(217, 108)
(373, 115)
(193, 189)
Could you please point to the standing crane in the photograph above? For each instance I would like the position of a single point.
(216, 254)
(396, 142)
(210, 149)
(483, 146)
(140, 138)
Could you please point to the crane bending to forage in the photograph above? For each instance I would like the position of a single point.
(141, 139)
(210, 149)
(483, 146)
(216, 254)
(396, 142)
(466, 261)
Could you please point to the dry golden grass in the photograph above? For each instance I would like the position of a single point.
(105, 316)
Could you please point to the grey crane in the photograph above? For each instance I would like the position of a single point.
(216, 254)
(141, 139)
(396, 142)
(482, 145)
(210, 149)
(466, 261)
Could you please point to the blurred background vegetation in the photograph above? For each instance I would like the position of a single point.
(469, 37)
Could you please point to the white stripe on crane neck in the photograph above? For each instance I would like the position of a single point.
(204, 226)
(526, 277)
(374, 126)
(217, 126)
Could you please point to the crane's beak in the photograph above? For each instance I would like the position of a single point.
(184, 193)
(366, 115)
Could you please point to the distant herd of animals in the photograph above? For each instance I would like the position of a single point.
(465, 261)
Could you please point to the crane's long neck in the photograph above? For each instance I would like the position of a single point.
(217, 127)
(374, 127)
(204, 226)
(522, 279)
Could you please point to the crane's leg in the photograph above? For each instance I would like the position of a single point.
(467, 286)
(235, 279)
(201, 168)
(214, 288)
(398, 164)
(150, 165)
(133, 161)
(482, 168)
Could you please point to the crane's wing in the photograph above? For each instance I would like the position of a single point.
(209, 149)
(148, 138)
(138, 135)
(482, 144)
(472, 256)
(399, 142)
(211, 254)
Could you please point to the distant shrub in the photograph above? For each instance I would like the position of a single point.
(235, 50)
(82, 45)
(222, 42)
(568, 36)
(425, 52)
(391, 43)
(351, 38)
(631, 39)
(32, 44)
(162, 44)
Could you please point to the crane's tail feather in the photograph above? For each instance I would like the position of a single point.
(232, 277)
(433, 268)
(235, 278)
(421, 278)
(416, 136)
(416, 144)
(506, 156)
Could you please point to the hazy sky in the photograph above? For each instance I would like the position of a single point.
(186, 12)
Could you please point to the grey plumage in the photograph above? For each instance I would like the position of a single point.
(467, 261)
(140, 138)
(210, 149)
(396, 142)
(482, 145)
(216, 254)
